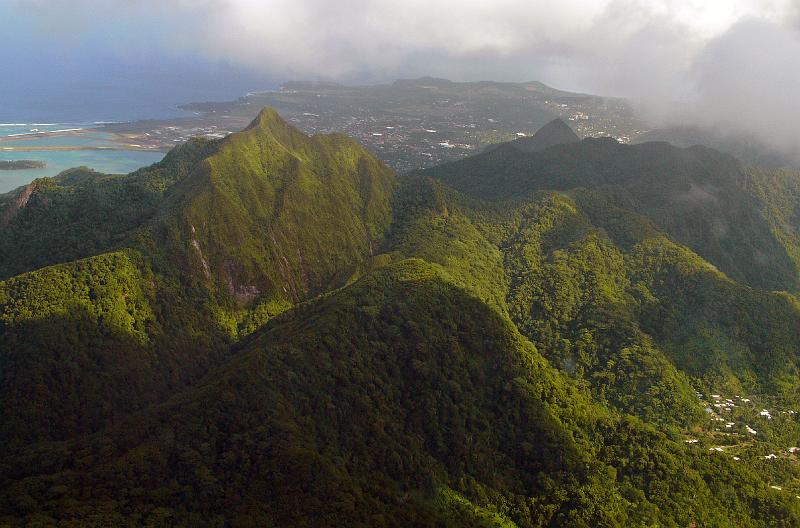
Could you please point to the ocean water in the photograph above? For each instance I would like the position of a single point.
(77, 94)
(22, 135)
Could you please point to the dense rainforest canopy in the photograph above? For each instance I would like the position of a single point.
(273, 329)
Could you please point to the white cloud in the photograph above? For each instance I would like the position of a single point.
(337, 38)
(721, 55)
(749, 77)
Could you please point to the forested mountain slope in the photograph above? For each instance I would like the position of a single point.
(698, 196)
(81, 213)
(206, 256)
(289, 335)
(274, 215)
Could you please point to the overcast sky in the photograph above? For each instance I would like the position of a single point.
(737, 60)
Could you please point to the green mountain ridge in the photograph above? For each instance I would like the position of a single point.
(206, 284)
(80, 213)
(274, 330)
(749, 149)
(323, 204)
(698, 196)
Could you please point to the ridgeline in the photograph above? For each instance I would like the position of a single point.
(273, 329)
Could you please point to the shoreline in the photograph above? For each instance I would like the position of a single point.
(111, 147)
(116, 141)
(137, 136)
(12, 165)
(64, 148)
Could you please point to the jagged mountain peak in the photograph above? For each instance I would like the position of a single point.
(269, 123)
(267, 118)
(277, 214)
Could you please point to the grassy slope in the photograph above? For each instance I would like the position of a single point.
(274, 217)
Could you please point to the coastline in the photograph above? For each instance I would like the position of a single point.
(116, 140)
(61, 146)
(68, 148)
(11, 165)
(111, 147)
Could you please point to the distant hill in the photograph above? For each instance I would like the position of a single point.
(555, 132)
(274, 329)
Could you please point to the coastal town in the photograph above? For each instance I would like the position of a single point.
(408, 124)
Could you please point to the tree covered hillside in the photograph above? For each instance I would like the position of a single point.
(697, 196)
(163, 300)
(278, 331)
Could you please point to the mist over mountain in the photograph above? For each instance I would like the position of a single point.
(740, 90)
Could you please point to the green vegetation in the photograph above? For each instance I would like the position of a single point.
(356, 409)
(276, 216)
(73, 334)
(696, 196)
(81, 213)
(273, 330)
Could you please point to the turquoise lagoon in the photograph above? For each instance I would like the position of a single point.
(26, 135)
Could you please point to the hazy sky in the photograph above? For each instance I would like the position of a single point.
(734, 62)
